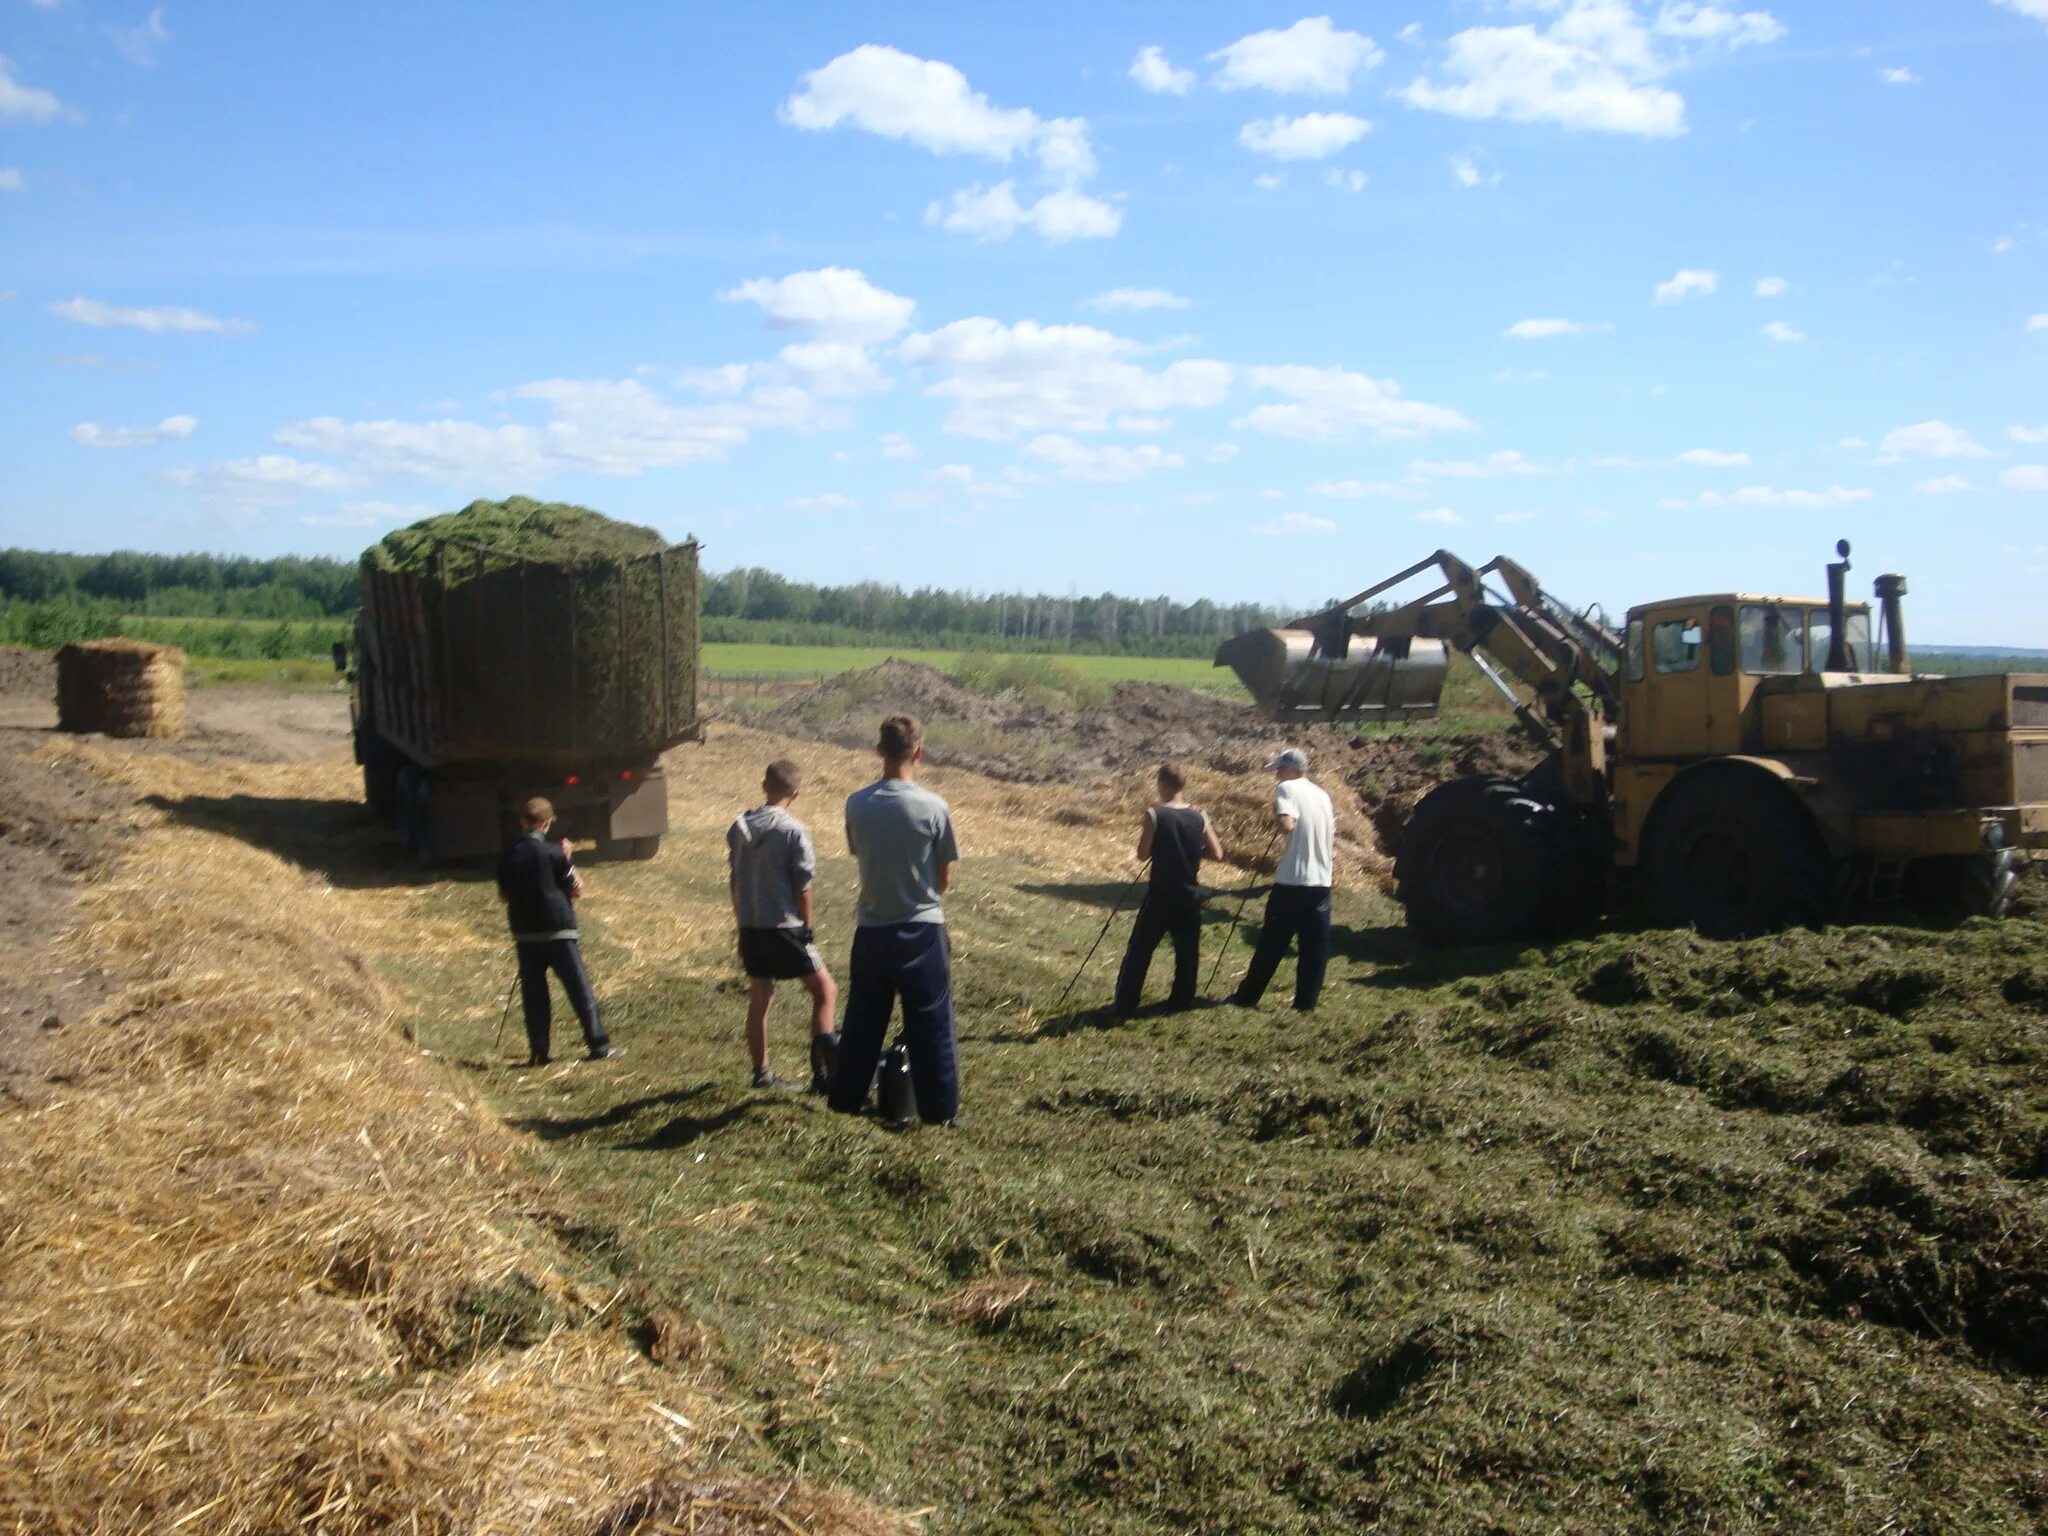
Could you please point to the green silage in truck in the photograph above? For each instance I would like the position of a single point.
(518, 648)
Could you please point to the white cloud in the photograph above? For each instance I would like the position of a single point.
(269, 479)
(1221, 453)
(1132, 299)
(11, 179)
(830, 501)
(1770, 287)
(894, 445)
(157, 321)
(1771, 496)
(915, 500)
(828, 369)
(1714, 458)
(1778, 330)
(1108, 464)
(1686, 282)
(1269, 181)
(1345, 181)
(1310, 58)
(996, 214)
(2037, 322)
(2027, 434)
(1152, 72)
(1297, 522)
(1900, 76)
(91, 434)
(138, 44)
(1506, 461)
(372, 514)
(926, 102)
(2025, 477)
(1354, 490)
(1335, 402)
(1943, 485)
(594, 426)
(1852, 443)
(1541, 330)
(1312, 136)
(1932, 440)
(1465, 172)
(1597, 64)
(1442, 515)
(24, 101)
(833, 301)
(951, 474)
(1009, 381)
(1272, 493)
(2038, 9)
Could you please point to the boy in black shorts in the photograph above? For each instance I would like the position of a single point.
(769, 852)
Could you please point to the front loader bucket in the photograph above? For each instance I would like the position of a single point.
(1291, 681)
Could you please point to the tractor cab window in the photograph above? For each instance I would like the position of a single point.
(1855, 637)
(1773, 639)
(1635, 649)
(1675, 644)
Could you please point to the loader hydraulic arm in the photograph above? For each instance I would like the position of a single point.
(1538, 640)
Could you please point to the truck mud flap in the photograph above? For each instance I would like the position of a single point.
(639, 805)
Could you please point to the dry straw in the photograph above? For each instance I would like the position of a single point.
(263, 1268)
(121, 688)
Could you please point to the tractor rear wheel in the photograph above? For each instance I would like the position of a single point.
(1731, 854)
(1947, 891)
(1481, 861)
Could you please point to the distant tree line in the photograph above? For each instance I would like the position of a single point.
(49, 598)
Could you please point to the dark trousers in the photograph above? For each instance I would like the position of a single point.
(910, 961)
(1161, 915)
(1292, 911)
(565, 958)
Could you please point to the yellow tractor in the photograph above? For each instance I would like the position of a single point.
(1741, 762)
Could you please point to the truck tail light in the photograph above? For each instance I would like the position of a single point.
(573, 779)
(625, 773)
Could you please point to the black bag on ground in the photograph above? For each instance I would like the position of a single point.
(895, 1098)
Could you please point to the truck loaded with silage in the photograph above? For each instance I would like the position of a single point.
(523, 648)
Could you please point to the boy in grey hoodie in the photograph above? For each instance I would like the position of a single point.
(772, 862)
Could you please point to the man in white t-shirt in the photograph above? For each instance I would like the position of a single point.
(1299, 907)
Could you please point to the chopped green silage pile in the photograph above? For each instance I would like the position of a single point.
(548, 532)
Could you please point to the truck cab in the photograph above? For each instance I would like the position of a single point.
(1721, 674)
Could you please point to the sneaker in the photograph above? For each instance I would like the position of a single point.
(607, 1052)
(766, 1080)
(824, 1061)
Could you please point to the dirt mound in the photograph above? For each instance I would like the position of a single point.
(1391, 773)
(1024, 741)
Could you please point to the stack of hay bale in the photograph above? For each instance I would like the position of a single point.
(121, 688)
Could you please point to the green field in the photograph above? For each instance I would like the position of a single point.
(830, 660)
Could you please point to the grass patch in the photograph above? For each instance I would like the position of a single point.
(1671, 1234)
(1035, 679)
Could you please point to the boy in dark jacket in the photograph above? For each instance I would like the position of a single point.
(1176, 838)
(538, 885)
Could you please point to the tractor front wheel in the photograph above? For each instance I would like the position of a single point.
(1479, 863)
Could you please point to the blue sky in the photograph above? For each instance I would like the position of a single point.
(1212, 300)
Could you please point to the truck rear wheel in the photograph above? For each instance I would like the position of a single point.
(414, 812)
(1479, 863)
(1731, 854)
(1951, 890)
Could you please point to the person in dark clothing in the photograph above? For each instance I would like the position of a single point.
(1176, 838)
(538, 884)
(901, 836)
